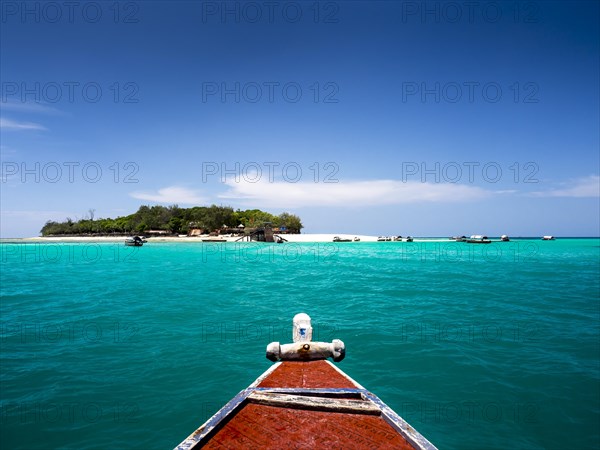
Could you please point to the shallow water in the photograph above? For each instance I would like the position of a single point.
(477, 346)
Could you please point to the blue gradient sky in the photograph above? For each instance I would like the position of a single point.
(420, 118)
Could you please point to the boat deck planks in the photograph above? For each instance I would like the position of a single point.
(310, 374)
(305, 404)
(268, 427)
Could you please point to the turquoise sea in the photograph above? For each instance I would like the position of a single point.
(477, 346)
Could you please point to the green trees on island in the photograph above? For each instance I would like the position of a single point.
(172, 219)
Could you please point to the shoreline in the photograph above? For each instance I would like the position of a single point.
(291, 238)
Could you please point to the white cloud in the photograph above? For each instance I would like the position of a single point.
(172, 195)
(355, 193)
(11, 125)
(28, 107)
(579, 188)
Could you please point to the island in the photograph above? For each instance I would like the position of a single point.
(175, 221)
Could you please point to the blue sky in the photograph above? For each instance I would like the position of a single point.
(420, 118)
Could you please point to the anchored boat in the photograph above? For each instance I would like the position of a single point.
(134, 241)
(304, 401)
(478, 239)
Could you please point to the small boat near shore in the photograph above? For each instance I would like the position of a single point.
(134, 241)
(548, 238)
(339, 239)
(478, 239)
(304, 401)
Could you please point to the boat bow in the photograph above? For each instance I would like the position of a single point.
(308, 403)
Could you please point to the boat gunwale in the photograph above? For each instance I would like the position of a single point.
(232, 406)
(390, 416)
(207, 430)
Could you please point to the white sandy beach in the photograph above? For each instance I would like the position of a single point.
(292, 238)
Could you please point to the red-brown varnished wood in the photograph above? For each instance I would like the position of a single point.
(268, 427)
(310, 374)
(258, 426)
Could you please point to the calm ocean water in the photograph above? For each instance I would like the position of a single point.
(477, 346)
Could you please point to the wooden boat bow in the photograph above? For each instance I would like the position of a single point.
(305, 404)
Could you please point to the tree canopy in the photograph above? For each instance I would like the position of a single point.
(174, 220)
